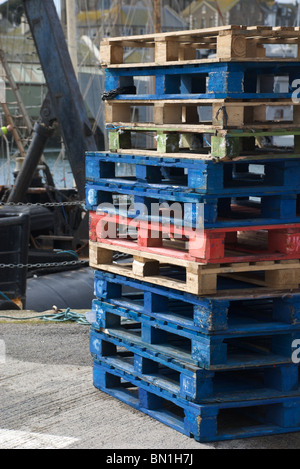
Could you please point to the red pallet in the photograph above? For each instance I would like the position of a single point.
(222, 245)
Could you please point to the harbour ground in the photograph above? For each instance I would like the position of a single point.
(48, 400)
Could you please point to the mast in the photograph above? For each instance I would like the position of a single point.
(72, 33)
(157, 16)
(219, 11)
(298, 14)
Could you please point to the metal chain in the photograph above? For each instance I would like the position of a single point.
(46, 204)
(48, 264)
(39, 266)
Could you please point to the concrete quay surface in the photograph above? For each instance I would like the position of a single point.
(48, 401)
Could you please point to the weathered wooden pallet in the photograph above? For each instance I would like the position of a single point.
(172, 205)
(199, 279)
(222, 421)
(230, 43)
(227, 351)
(194, 141)
(233, 308)
(219, 114)
(229, 245)
(208, 177)
(217, 80)
(193, 383)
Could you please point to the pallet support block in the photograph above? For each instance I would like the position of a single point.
(283, 378)
(119, 140)
(208, 245)
(282, 278)
(231, 46)
(143, 267)
(225, 147)
(208, 352)
(117, 112)
(279, 206)
(112, 54)
(155, 303)
(200, 284)
(284, 241)
(202, 423)
(168, 142)
(166, 50)
(100, 255)
(285, 415)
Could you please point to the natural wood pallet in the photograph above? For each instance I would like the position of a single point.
(226, 114)
(228, 42)
(200, 279)
(191, 141)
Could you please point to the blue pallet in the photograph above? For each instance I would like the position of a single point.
(194, 383)
(247, 347)
(218, 314)
(223, 421)
(218, 80)
(206, 176)
(196, 210)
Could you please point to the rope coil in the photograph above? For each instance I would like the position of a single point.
(60, 316)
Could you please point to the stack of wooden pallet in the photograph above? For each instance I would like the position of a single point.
(197, 252)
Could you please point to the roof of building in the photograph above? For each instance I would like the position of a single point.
(131, 15)
(223, 5)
